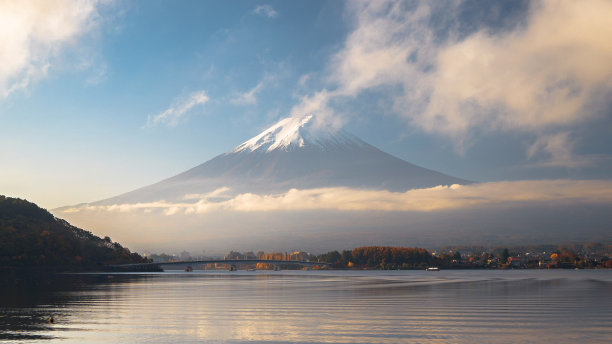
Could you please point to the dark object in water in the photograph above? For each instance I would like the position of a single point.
(51, 320)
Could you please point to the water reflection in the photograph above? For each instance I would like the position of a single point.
(28, 301)
(312, 307)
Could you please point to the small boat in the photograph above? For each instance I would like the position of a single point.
(432, 269)
(188, 269)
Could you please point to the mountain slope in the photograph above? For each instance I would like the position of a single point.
(31, 236)
(296, 152)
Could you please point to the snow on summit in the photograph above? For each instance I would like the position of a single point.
(293, 132)
(281, 135)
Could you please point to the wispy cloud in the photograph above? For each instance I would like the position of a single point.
(266, 11)
(249, 97)
(557, 150)
(546, 75)
(172, 115)
(319, 104)
(346, 199)
(34, 33)
(97, 70)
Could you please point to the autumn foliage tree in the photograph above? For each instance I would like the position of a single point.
(381, 257)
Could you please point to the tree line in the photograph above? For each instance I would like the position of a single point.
(588, 256)
(381, 257)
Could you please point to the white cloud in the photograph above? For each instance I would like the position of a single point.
(249, 97)
(318, 104)
(346, 199)
(538, 77)
(557, 150)
(266, 11)
(97, 70)
(33, 34)
(172, 115)
(304, 80)
(547, 75)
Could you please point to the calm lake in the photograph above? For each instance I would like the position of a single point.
(459, 306)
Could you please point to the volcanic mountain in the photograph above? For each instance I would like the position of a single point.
(209, 206)
(297, 152)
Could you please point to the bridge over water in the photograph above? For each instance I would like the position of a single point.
(233, 263)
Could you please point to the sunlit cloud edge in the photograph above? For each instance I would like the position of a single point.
(433, 199)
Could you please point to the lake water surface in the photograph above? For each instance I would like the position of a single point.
(459, 306)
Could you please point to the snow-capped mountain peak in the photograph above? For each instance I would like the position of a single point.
(291, 132)
(300, 152)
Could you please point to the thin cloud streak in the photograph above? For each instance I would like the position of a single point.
(266, 11)
(249, 97)
(438, 198)
(172, 115)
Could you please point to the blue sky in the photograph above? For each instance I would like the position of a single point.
(101, 97)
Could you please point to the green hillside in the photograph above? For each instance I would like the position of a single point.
(31, 236)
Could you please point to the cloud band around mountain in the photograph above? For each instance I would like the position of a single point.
(439, 198)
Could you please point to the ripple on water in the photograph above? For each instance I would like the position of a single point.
(323, 307)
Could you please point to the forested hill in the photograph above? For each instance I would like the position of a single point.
(31, 236)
